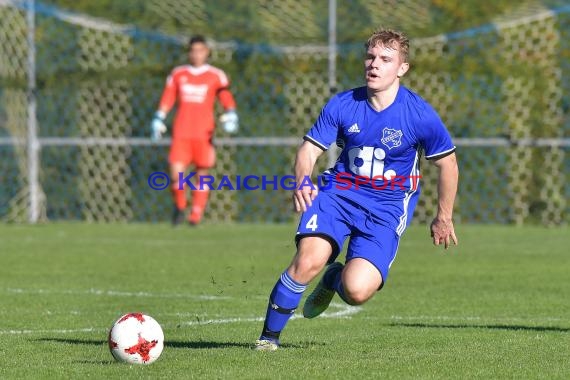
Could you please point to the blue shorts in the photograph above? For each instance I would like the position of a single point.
(336, 218)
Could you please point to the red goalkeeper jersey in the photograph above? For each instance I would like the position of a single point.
(195, 89)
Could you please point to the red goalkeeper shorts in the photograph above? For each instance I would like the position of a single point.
(198, 152)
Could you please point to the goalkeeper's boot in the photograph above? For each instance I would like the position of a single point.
(177, 216)
(265, 344)
(321, 297)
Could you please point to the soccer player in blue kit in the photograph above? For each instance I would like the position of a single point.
(369, 196)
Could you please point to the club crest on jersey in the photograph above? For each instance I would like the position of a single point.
(391, 138)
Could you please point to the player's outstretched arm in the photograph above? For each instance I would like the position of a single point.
(442, 230)
(305, 160)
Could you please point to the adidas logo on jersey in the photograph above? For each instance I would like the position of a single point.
(354, 128)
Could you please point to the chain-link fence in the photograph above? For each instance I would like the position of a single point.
(77, 94)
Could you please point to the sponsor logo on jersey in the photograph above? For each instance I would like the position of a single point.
(391, 138)
(353, 128)
(194, 93)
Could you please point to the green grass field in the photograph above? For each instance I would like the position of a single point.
(496, 306)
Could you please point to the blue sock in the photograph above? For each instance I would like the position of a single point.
(283, 302)
(334, 281)
(330, 277)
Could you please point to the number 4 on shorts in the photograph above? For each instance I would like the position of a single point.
(312, 223)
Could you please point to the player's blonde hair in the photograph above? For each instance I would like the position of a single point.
(390, 38)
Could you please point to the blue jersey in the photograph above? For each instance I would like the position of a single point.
(378, 168)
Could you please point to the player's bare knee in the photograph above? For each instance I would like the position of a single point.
(305, 268)
(356, 299)
(310, 259)
(175, 170)
(357, 295)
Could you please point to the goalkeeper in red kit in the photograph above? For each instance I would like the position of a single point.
(194, 88)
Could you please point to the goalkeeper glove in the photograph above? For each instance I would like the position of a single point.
(230, 121)
(158, 126)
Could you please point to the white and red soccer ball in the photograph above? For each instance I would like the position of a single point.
(136, 338)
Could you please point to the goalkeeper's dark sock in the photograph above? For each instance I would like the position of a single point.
(283, 302)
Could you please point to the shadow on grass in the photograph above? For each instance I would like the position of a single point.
(176, 344)
(491, 327)
(96, 362)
